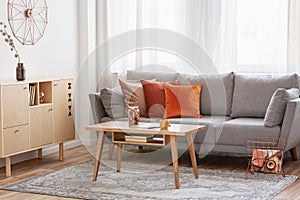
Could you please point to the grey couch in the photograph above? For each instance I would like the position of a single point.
(233, 109)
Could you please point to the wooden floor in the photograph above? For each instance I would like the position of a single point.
(79, 154)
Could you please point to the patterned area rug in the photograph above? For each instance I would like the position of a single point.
(140, 181)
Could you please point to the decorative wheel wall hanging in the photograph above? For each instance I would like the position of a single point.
(28, 19)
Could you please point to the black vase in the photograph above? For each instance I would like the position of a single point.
(20, 72)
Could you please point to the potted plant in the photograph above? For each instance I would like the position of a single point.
(20, 71)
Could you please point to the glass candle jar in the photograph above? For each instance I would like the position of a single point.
(133, 115)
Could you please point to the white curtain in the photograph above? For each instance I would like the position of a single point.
(210, 23)
(293, 58)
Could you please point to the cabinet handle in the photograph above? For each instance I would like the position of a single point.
(25, 88)
(16, 131)
(50, 109)
(69, 85)
(69, 94)
(70, 114)
(55, 84)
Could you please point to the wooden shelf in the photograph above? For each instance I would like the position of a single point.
(46, 88)
(41, 105)
(118, 137)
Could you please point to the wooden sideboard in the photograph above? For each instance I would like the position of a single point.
(29, 121)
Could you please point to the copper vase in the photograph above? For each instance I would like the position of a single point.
(20, 72)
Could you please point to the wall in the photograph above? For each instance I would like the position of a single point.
(54, 56)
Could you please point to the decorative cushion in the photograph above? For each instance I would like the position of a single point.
(133, 95)
(182, 101)
(252, 94)
(216, 93)
(113, 102)
(158, 76)
(277, 106)
(155, 98)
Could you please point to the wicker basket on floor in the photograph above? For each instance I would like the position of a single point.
(265, 154)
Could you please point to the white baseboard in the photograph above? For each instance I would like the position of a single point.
(33, 154)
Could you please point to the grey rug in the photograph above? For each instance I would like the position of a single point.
(143, 181)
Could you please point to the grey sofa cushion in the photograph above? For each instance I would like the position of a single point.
(238, 131)
(206, 136)
(159, 76)
(216, 93)
(252, 94)
(113, 102)
(205, 120)
(277, 105)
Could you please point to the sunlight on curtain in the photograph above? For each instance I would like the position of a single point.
(247, 36)
(210, 23)
(262, 36)
(294, 37)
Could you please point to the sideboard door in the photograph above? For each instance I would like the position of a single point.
(41, 126)
(63, 122)
(15, 105)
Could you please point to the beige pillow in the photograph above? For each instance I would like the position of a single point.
(134, 95)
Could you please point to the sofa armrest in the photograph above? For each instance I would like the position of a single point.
(291, 124)
(98, 110)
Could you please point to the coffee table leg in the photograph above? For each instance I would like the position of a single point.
(175, 159)
(119, 157)
(98, 154)
(192, 154)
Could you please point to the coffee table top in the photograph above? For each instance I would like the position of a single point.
(146, 128)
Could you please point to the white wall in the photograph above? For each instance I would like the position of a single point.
(55, 55)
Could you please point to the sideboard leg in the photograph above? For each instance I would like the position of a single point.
(61, 151)
(293, 153)
(8, 166)
(40, 153)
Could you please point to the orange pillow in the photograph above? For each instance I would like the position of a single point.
(155, 98)
(182, 101)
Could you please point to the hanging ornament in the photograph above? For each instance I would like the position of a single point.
(28, 20)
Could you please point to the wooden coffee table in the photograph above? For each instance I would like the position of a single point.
(119, 129)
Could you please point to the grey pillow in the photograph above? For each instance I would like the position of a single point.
(277, 106)
(113, 102)
(216, 92)
(252, 94)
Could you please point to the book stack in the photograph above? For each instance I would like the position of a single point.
(138, 138)
(32, 91)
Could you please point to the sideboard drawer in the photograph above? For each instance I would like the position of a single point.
(16, 139)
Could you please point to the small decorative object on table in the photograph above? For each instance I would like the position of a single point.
(164, 124)
(133, 115)
(265, 154)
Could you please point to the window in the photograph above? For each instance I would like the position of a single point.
(262, 36)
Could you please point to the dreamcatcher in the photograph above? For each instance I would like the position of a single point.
(28, 19)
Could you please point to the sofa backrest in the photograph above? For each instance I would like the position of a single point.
(216, 93)
(159, 76)
(252, 94)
